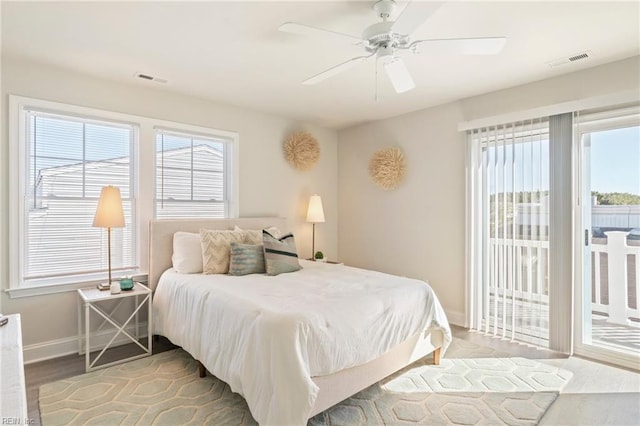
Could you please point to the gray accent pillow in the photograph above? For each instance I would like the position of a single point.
(246, 259)
(280, 254)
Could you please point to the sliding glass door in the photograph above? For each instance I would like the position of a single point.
(608, 237)
(509, 223)
(533, 187)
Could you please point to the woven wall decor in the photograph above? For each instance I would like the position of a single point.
(301, 150)
(387, 168)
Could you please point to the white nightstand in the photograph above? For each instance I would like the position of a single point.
(90, 298)
(330, 262)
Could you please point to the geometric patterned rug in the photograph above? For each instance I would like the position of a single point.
(473, 385)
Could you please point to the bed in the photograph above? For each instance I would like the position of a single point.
(295, 344)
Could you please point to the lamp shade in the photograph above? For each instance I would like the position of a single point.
(109, 213)
(315, 213)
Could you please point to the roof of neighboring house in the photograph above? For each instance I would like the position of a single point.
(70, 168)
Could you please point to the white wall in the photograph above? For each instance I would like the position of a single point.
(418, 230)
(268, 185)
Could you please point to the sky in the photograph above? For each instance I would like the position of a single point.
(615, 160)
(615, 163)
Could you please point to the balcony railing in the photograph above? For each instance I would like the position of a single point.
(620, 281)
(615, 279)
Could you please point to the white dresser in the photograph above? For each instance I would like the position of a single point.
(13, 395)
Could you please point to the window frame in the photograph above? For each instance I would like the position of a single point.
(230, 168)
(143, 153)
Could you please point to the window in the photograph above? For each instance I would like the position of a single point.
(191, 175)
(67, 161)
(61, 157)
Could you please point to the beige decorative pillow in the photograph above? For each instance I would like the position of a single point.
(216, 246)
(254, 236)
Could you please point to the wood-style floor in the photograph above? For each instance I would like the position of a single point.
(597, 394)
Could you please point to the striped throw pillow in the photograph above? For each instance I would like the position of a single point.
(246, 259)
(216, 248)
(280, 254)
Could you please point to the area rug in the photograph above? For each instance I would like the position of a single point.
(474, 385)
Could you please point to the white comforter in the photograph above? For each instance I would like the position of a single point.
(267, 336)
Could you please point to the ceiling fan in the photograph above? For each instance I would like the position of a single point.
(388, 40)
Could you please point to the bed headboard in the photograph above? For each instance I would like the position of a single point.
(161, 237)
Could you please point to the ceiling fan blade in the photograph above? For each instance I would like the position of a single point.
(457, 46)
(399, 75)
(414, 15)
(337, 69)
(306, 30)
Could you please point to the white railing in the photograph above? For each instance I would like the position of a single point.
(528, 282)
(517, 297)
(617, 251)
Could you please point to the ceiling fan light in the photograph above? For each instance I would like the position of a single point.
(399, 75)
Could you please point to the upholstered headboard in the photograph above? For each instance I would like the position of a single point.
(161, 237)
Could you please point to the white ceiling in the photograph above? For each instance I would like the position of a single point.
(232, 52)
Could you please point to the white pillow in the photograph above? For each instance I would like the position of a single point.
(187, 253)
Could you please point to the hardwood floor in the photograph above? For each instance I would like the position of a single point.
(598, 394)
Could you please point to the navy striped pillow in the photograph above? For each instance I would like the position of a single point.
(280, 254)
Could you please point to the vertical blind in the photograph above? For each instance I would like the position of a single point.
(69, 159)
(509, 230)
(191, 176)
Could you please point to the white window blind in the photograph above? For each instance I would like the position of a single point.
(191, 175)
(68, 160)
(509, 230)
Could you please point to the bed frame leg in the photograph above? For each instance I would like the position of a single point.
(436, 356)
(202, 372)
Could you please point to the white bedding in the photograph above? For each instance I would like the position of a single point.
(267, 336)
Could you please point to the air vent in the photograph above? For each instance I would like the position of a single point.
(569, 59)
(151, 78)
(578, 57)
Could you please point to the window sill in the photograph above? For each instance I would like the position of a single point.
(41, 290)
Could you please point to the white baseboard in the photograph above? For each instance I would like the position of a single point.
(457, 318)
(69, 345)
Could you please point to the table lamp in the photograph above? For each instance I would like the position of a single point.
(315, 214)
(109, 214)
